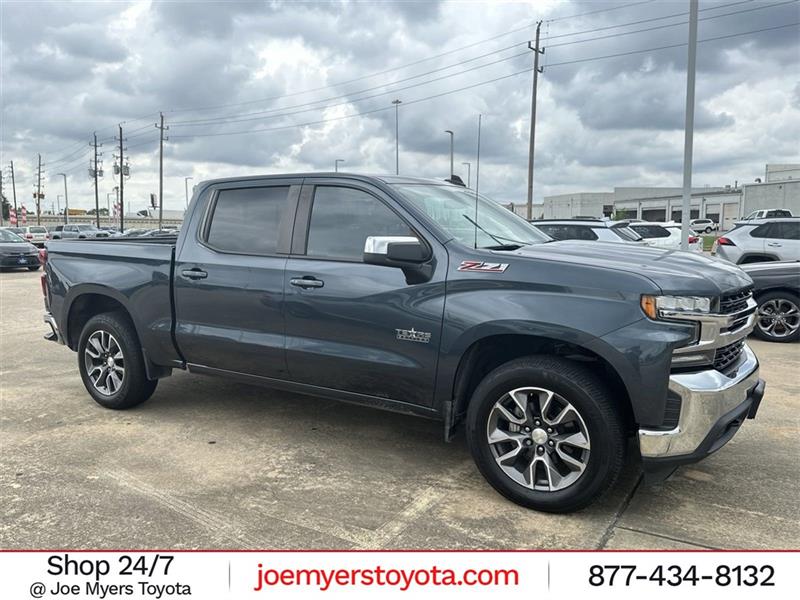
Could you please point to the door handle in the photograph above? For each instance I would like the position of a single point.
(774, 245)
(194, 274)
(306, 282)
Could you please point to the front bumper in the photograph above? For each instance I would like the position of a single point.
(713, 407)
(19, 260)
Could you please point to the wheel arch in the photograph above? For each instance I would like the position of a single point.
(490, 351)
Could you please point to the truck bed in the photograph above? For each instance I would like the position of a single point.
(135, 272)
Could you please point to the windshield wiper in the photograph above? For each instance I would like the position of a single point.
(497, 238)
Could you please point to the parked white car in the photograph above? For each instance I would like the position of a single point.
(666, 235)
(703, 225)
(769, 213)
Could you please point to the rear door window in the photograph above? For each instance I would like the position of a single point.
(767, 230)
(247, 220)
(650, 231)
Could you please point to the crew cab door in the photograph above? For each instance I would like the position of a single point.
(229, 272)
(357, 327)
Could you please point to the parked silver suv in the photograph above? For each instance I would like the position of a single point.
(601, 230)
(760, 240)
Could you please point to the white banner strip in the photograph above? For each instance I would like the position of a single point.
(261, 574)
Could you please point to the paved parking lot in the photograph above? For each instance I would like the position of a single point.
(207, 463)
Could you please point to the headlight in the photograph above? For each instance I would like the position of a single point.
(655, 306)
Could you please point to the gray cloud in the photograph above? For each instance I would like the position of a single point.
(87, 66)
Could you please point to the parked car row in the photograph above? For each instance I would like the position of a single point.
(637, 233)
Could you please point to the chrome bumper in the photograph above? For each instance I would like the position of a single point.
(55, 334)
(707, 398)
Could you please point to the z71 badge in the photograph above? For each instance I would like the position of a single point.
(482, 267)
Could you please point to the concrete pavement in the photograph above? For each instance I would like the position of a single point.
(207, 463)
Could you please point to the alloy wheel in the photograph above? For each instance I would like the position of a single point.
(538, 439)
(104, 362)
(778, 318)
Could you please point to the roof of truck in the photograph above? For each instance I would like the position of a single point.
(390, 179)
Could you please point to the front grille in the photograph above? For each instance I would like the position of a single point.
(733, 303)
(727, 355)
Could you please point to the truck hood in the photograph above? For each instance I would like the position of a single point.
(673, 271)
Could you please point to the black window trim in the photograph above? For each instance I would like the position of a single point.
(284, 230)
(302, 223)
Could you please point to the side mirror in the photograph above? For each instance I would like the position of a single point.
(403, 252)
(394, 251)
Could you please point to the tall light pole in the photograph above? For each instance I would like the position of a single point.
(186, 186)
(469, 173)
(451, 151)
(336, 164)
(58, 203)
(397, 103)
(66, 199)
(689, 127)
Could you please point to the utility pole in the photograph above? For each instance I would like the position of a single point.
(2, 198)
(536, 70)
(397, 104)
(95, 174)
(161, 129)
(14, 187)
(469, 173)
(39, 192)
(688, 136)
(66, 199)
(121, 183)
(451, 152)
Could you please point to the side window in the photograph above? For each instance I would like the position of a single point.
(787, 230)
(584, 233)
(767, 230)
(557, 232)
(247, 220)
(343, 218)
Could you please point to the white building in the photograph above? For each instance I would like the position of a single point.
(725, 205)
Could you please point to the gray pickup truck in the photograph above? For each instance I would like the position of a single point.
(422, 297)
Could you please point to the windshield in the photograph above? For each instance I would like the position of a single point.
(8, 237)
(453, 209)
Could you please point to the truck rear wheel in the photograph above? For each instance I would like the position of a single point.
(546, 434)
(111, 364)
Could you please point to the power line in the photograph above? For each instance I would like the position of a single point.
(400, 67)
(229, 119)
(648, 20)
(656, 27)
(268, 114)
(494, 80)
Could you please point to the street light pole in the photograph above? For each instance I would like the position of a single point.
(469, 173)
(186, 186)
(58, 204)
(397, 135)
(451, 151)
(66, 199)
(689, 126)
(336, 164)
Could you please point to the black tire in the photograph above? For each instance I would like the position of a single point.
(135, 387)
(778, 299)
(36, 268)
(581, 388)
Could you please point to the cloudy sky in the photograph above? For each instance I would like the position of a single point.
(269, 87)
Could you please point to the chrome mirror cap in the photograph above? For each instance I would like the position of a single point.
(379, 244)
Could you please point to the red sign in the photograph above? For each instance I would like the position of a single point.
(12, 216)
(24, 215)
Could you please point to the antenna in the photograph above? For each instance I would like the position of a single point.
(477, 179)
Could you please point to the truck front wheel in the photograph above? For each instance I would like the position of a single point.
(546, 434)
(111, 363)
